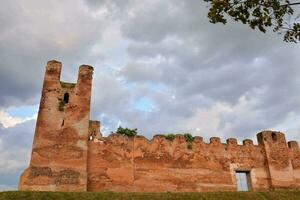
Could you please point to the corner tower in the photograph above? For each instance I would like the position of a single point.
(59, 152)
(277, 159)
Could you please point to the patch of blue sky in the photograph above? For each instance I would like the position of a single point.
(158, 87)
(22, 111)
(144, 104)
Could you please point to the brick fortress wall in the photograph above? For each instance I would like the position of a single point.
(136, 164)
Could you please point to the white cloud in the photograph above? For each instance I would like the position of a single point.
(207, 122)
(8, 121)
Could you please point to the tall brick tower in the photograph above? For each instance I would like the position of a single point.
(59, 151)
(277, 158)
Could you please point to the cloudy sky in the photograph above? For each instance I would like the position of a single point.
(160, 66)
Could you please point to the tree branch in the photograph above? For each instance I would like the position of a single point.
(291, 4)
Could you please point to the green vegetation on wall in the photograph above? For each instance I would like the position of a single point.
(61, 105)
(189, 139)
(67, 85)
(126, 131)
(187, 136)
(169, 136)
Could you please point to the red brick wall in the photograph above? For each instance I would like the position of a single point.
(120, 163)
(59, 152)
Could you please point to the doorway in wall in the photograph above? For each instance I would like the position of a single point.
(243, 180)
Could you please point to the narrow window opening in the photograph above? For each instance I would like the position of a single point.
(243, 180)
(66, 97)
(274, 137)
(63, 123)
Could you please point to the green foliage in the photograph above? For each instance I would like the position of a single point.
(263, 14)
(67, 85)
(61, 105)
(169, 137)
(188, 137)
(293, 34)
(126, 131)
(274, 195)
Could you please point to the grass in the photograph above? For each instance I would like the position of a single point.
(276, 195)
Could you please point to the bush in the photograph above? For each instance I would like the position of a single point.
(169, 137)
(126, 131)
(188, 137)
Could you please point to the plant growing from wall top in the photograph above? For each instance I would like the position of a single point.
(189, 139)
(126, 131)
(169, 137)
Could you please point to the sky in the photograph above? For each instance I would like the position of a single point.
(159, 66)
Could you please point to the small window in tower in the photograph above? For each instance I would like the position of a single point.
(66, 97)
(274, 137)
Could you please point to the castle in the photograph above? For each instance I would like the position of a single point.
(70, 154)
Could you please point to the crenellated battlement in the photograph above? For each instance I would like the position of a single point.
(231, 142)
(213, 141)
(144, 158)
(180, 141)
(293, 145)
(53, 74)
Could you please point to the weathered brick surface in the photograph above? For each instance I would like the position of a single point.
(59, 152)
(70, 154)
(136, 164)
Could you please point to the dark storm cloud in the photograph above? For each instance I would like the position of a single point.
(34, 32)
(170, 44)
(214, 62)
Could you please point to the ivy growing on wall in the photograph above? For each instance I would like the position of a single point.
(61, 105)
